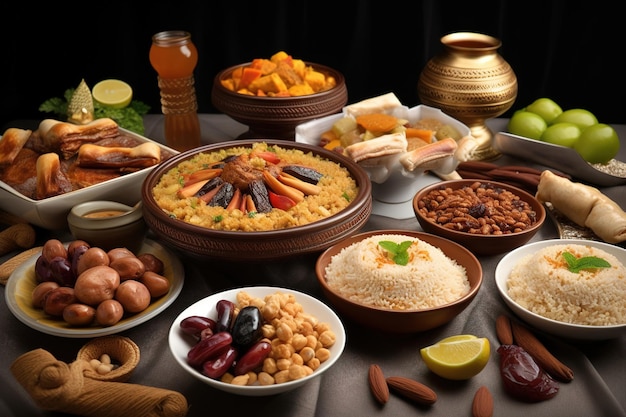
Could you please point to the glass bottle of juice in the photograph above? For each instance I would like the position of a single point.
(174, 57)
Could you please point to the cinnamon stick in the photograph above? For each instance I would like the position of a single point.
(524, 338)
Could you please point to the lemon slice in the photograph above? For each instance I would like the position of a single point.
(457, 337)
(112, 93)
(457, 357)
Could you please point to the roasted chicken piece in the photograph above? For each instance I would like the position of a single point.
(240, 172)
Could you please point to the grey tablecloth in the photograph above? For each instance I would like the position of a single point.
(597, 390)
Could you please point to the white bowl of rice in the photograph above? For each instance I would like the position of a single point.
(542, 288)
(366, 281)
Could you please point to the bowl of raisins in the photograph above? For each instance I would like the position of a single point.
(486, 217)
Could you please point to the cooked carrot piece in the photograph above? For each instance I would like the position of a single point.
(282, 189)
(305, 187)
(377, 122)
(250, 206)
(191, 189)
(335, 143)
(235, 202)
(203, 174)
(423, 134)
(248, 75)
(210, 194)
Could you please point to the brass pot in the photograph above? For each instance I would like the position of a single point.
(471, 82)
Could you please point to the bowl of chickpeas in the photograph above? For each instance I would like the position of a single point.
(257, 341)
(273, 95)
(486, 217)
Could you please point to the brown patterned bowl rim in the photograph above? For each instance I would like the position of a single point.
(342, 224)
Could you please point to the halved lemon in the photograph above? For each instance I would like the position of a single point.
(113, 93)
(457, 357)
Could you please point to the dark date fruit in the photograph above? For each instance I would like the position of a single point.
(247, 327)
(195, 325)
(215, 368)
(208, 348)
(76, 253)
(253, 358)
(225, 313)
(61, 271)
(522, 377)
(42, 270)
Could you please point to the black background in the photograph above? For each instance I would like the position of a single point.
(570, 51)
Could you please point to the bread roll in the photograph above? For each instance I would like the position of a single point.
(66, 138)
(584, 205)
(11, 144)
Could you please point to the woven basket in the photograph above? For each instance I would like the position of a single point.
(122, 350)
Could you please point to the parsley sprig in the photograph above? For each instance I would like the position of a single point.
(399, 251)
(576, 265)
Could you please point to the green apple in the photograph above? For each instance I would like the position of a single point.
(564, 134)
(527, 124)
(546, 108)
(598, 144)
(581, 117)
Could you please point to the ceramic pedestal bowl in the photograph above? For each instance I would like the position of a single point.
(205, 242)
(277, 117)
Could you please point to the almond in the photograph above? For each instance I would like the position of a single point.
(503, 330)
(483, 403)
(378, 385)
(412, 390)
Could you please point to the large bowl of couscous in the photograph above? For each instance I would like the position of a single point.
(255, 200)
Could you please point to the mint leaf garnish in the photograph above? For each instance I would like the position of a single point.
(576, 265)
(398, 251)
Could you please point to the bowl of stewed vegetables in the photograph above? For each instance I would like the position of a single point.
(258, 340)
(275, 94)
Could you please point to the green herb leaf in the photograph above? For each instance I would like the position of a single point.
(130, 117)
(576, 265)
(399, 251)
